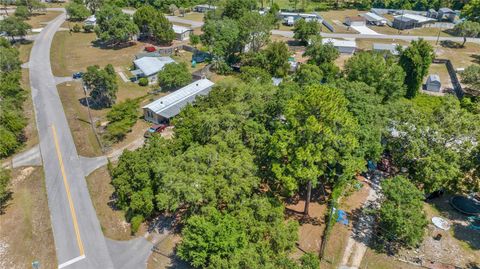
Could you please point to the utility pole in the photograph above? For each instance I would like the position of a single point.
(91, 120)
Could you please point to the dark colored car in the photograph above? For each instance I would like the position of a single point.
(77, 75)
(157, 128)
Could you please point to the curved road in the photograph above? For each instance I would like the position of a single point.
(79, 240)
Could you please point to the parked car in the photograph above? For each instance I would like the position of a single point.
(154, 129)
(77, 75)
(150, 49)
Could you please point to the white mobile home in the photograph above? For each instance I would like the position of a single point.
(343, 46)
(167, 107)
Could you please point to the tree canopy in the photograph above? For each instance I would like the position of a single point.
(401, 217)
(14, 27)
(415, 61)
(12, 95)
(102, 84)
(382, 73)
(77, 12)
(153, 24)
(114, 26)
(433, 143)
(304, 30)
(471, 77)
(173, 76)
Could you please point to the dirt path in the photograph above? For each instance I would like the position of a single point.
(362, 232)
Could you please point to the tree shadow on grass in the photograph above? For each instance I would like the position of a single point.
(108, 46)
(451, 44)
(475, 58)
(4, 201)
(93, 105)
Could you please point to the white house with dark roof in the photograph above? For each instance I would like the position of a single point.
(167, 107)
(149, 67)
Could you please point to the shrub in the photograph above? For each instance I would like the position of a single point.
(76, 28)
(121, 118)
(143, 82)
(4, 191)
(135, 223)
(88, 28)
(22, 12)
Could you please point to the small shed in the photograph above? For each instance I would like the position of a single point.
(355, 21)
(374, 19)
(433, 83)
(181, 32)
(343, 46)
(167, 107)
(150, 66)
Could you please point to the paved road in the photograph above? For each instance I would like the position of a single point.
(78, 237)
(289, 34)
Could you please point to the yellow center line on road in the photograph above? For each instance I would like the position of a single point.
(67, 189)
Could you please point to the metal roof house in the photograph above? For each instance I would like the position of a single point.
(433, 83)
(167, 107)
(343, 46)
(181, 32)
(410, 21)
(150, 66)
(374, 19)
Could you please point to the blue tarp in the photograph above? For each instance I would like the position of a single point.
(342, 217)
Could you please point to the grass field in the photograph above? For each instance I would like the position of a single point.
(25, 228)
(194, 16)
(41, 19)
(112, 221)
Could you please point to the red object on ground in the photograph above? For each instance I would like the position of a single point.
(150, 49)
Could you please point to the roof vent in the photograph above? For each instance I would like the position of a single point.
(196, 84)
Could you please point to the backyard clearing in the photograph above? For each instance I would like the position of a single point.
(25, 229)
(460, 246)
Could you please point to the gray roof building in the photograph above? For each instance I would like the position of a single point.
(152, 65)
(433, 83)
(170, 105)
